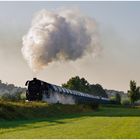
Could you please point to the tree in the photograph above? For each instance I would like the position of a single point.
(118, 98)
(134, 92)
(97, 90)
(75, 83)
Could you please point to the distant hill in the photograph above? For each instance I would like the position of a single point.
(10, 88)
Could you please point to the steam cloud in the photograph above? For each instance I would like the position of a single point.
(59, 98)
(65, 35)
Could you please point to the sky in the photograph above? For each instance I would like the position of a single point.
(119, 31)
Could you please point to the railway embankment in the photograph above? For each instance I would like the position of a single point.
(32, 110)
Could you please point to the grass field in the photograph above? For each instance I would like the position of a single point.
(107, 122)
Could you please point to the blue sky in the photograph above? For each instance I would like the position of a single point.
(119, 28)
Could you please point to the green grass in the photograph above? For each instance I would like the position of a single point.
(107, 122)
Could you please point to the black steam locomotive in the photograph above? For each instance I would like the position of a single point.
(38, 90)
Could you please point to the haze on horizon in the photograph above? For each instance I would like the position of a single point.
(117, 64)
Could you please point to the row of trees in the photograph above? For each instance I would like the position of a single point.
(82, 85)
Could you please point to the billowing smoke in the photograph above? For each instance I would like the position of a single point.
(58, 36)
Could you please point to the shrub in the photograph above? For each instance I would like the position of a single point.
(11, 97)
(113, 101)
(125, 102)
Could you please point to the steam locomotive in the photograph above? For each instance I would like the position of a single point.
(38, 90)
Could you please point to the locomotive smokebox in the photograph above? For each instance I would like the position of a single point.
(33, 92)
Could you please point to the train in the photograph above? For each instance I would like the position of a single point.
(38, 90)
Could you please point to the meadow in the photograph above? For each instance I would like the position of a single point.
(106, 122)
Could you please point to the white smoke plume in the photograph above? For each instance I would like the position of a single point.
(56, 36)
(59, 98)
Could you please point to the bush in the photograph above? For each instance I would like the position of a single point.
(125, 102)
(11, 97)
(113, 101)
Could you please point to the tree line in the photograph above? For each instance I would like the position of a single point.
(82, 85)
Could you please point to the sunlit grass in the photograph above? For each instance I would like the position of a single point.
(103, 123)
